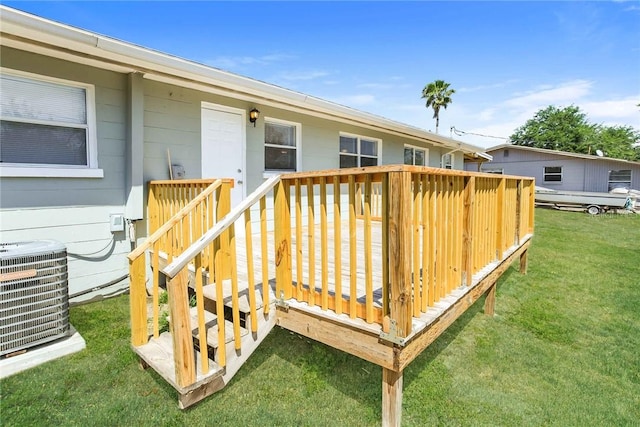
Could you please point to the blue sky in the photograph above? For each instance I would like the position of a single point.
(506, 60)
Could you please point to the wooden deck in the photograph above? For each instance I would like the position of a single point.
(376, 262)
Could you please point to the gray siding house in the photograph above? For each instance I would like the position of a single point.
(560, 170)
(88, 121)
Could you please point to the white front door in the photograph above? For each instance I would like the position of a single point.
(223, 146)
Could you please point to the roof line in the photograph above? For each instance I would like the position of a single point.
(27, 28)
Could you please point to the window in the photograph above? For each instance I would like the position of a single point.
(497, 171)
(620, 179)
(415, 155)
(47, 125)
(552, 174)
(281, 145)
(446, 161)
(506, 152)
(356, 151)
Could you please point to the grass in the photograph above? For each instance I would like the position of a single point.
(563, 349)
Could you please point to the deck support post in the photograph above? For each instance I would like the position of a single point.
(524, 262)
(183, 352)
(391, 397)
(138, 300)
(490, 300)
(399, 241)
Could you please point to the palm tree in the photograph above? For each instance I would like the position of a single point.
(437, 94)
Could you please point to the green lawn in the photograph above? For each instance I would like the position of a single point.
(563, 349)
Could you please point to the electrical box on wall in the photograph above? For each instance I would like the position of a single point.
(177, 171)
(116, 222)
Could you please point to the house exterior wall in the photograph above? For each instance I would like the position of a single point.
(578, 174)
(172, 122)
(75, 211)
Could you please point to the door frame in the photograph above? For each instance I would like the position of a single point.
(204, 105)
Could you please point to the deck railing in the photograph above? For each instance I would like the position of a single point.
(319, 237)
(179, 212)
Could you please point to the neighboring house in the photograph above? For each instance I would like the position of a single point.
(88, 120)
(560, 170)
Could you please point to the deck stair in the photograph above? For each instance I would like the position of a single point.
(158, 353)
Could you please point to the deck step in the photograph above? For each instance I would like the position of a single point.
(211, 325)
(209, 292)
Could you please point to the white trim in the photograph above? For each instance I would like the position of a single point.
(414, 148)
(243, 129)
(544, 174)
(358, 155)
(90, 126)
(7, 171)
(298, 146)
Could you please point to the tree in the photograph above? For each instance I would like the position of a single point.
(568, 129)
(437, 94)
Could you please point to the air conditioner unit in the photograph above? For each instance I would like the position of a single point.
(34, 294)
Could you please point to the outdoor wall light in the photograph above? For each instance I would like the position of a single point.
(253, 116)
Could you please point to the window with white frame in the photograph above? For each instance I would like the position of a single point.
(358, 151)
(620, 179)
(552, 174)
(415, 155)
(497, 171)
(46, 122)
(281, 145)
(446, 161)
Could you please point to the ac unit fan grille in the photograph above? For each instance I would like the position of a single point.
(34, 297)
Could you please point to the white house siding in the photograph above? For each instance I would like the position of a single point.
(578, 174)
(75, 211)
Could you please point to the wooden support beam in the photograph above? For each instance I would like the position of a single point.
(467, 229)
(400, 251)
(490, 301)
(180, 326)
(524, 262)
(391, 398)
(138, 300)
(332, 332)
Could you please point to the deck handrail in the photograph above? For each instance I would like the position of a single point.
(198, 246)
(148, 243)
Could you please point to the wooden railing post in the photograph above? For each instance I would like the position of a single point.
(399, 240)
(467, 230)
(282, 232)
(221, 247)
(183, 351)
(153, 210)
(500, 224)
(138, 300)
(519, 186)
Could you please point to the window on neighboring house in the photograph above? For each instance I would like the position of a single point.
(497, 171)
(415, 155)
(281, 145)
(620, 179)
(446, 161)
(552, 174)
(506, 152)
(46, 123)
(357, 151)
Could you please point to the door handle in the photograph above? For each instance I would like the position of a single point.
(240, 182)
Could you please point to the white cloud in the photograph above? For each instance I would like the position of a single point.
(563, 94)
(487, 87)
(614, 111)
